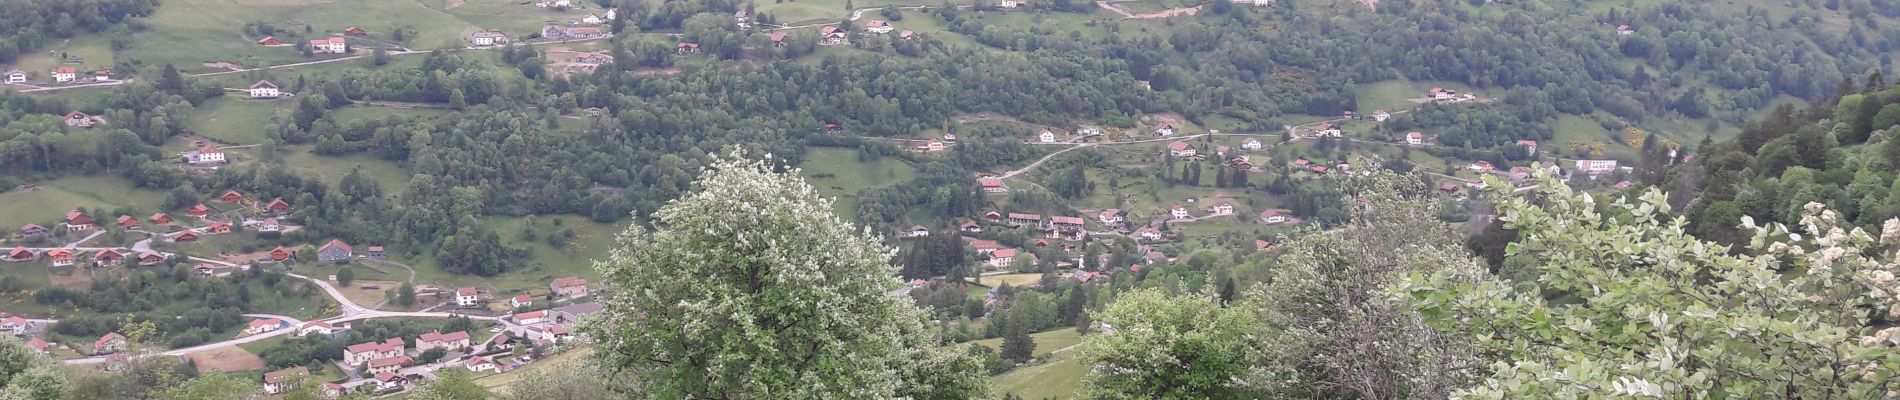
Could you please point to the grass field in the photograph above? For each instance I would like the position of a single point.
(551, 365)
(391, 176)
(53, 198)
(1391, 95)
(237, 121)
(87, 53)
(592, 241)
(1059, 377)
(181, 36)
(1017, 280)
(837, 173)
(1582, 130)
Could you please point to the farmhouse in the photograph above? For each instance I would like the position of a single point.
(15, 326)
(569, 287)
(553, 3)
(262, 325)
(263, 90)
(1221, 208)
(905, 35)
(1414, 138)
(1272, 216)
(1065, 221)
(78, 221)
(592, 19)
(1250, 144)
(1596, 167)
(389, 381)
(334, 250)
(110, 343)
(1001, 258)
(1164, 130)
(39, 346)
(1380, 115)
(65, 74)
(445, 341)
(270, 41)
(878, 26)
(984, 246)
(205, 155)
(16, 76)
(1178, 212)
(830, 35)
(521, 301)
(1110, 216)
(741, 18)
(1482, 167)
(1148, 233)
(487, 38)
(557, 32)
(80, 120)
(991, 185)
(1327, 129)
(1441, 94)
(363, 352)
(330, 45)
(276, 382)
(1180, 149)
(465, 297)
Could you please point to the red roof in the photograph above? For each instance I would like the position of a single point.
(467, 291)
(65, 70)
(270, 41)
(59, 253)
(1065, 220)
(1037, 217)
(877, 23)
(981, 244)
(38, 344)
(777, 36)
(160, 218)
(443, 337)
(199, 209)
(687, 45)
(19, 252)
(569, 282)
(531, 315)
(128, 220)
(107, 340)
(78, 218)
(383, 346)
(1003, 253)
(277, 204)
(108, 255)
(989, 182)
(384, 362)
(524, 298)
(265, 322)
(278, 376)
(1178, 146)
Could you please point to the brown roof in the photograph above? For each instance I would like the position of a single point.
(569, 281)
(443, 337)
(337, 243)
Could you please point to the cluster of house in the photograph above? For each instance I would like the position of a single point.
(390, 365)
(206, 155)
(557, 32)
(21, 327)
(1444, 95)
(104, 257)
(833, 35)
(333, 44)
(1379, 115)
(60, 74)
(928, 146)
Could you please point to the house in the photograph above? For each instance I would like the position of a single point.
(1221, 208)
(611, 13)
(20, 253)
(465, 297)
(198, 211)
(878, 26)
(502, 342)
(1019, 219)
(741, 18)
(375, 253)
(1596, 167)
(550, 333)
(686, 48)
(80, 120)
(269, 225)
(334, 250)
(984, 247)
(593, 58)
(102, 75)
(355, 31)
(1272, 216)
(1008, 4)
(329, 45)
(573, 314)
(151, 258)
(479, 364)
(159, 219)
(65, 74)
(276, 382)
(61, 257)
(280, 254)
(263, 90)
(1147, 233)
(205, 155)
(1243, 163)
(128, 222)
(592, 19)
(1179, 212)
(363, 352)
(905, 35)
(1380, 115)
(778, 38)
(1001, 258)
(1046, 137)
(1222, 150)
(1250, 144)
(39, 346)
(1520, 173)
(917, 231)
(78, 221)
(1164, 130)
(391, 381)
(185, 236)
(1414, 138)
(1318, 169)
(1441, 94)
(931, 146)
(110, 343)
(1530, 146)
(1482, 167)
(521, 301)
(218, 228)
(1448, 188)
(277, 205)
(270, 41)
(557, 32)
(569, 287)
(231, 196)
(446, 341)
(262, 325)
(991, 185)
(32, 230)
(553, 3)
(487, 38)
(1327, 129)
(1110, 216)
(971, 227)
(1180, 149)
(1065, 221)
(1622, 185)
(1625, 30)
(16, 76)
(830, 35)
(323, 328)
(14, 325)
(388, 365)
(1348, 115)
(993, 216)
(108, 257)
(116, 362)
(530, 318)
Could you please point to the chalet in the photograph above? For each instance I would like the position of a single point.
(277, 205)
(151, 258)
(569, 287)
(686, 48)
(906, 35)
(1530, 146)
(65, 74)
(1065, 222)
(530, 318)
(375, 253)
(1272, 216)
(778, 39)
(110, 343)
(279, 381)
(1596, 165)
(1243, 163)
(323, 328)
(917, 231)
(329, 45)
(465, 297)
(78, 221)
(1448, 188)
(128, 222)
(487, 38)
(61, 257)
(1318, 169)
(32, 230)
(971, 227)
(363, 352)
(1179, 212)
(332, 251)
(1441, 94)
(21, 253)
(445, 341)
(1164, 130)
(1001, 258)
(198, 211)
(262, 325)
(550, 333)
(1625, 30)
(80, 120)
(15, 325)
(355, 31)
(878, 26)
(263, 90)
(1221, 208)
(1380, 115)
(389, 365)
(830, 35)
(1414, 138)
(993, 216)
(269, 225)
(1148, 233)
(218, 228)
(1046, 137)
(991, 185)
(1180, 149)
(185, 236)
(159, 219)
(16, 76)
(1019, 219)
(502, 342)
(206, 155)
(270, 41)
(280, 254)
(1250, 144)
(521, 301)
(479, 364)
(1482, 167)
(1110, 216)
(108, 257)
(741, 18)
(1327, 129)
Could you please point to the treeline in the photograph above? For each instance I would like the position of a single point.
(26, 25)
(186, 309)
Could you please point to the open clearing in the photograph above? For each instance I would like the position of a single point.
(550, 365)
(1017, 280)
(227, 359)
(836, 173)
(49, 201)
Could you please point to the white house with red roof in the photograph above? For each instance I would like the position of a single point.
(1148, 233)
(1221, 208)
(263, 90)
(364, 352)
(1001, 258)
(80, 120)
(330, 45)
(322, 328)
(1272, 216)
(569, 287)
(520, 301)
(1110, 216)
(878, 26)
(1179, 212)
(206, 155)
(991, 185)
(1164, 130)
(446, 341)
(279, 381)
(65, 74)
(61, 257)
(15, 325)
(1180, 149)
(1327, 129)
(984, 247)
(479, 364)
(531, 317)
(1596, 167)
(830, 35)
(467, 297)
(550, 333)
(78, 221)
(333, 250)
(1439, 93)
(1380, 115)
(1414, 138)
(262, 325)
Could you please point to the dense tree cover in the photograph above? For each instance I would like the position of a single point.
(26, 25)
(187, 309)
(27, 375)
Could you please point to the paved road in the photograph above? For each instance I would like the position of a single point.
(53, 88)
(402, 52)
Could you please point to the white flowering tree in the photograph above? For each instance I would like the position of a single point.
(1627, 305)
(750, 287)
(1156, 346)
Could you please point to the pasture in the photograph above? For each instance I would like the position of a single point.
(48, 201)
(837, 174)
